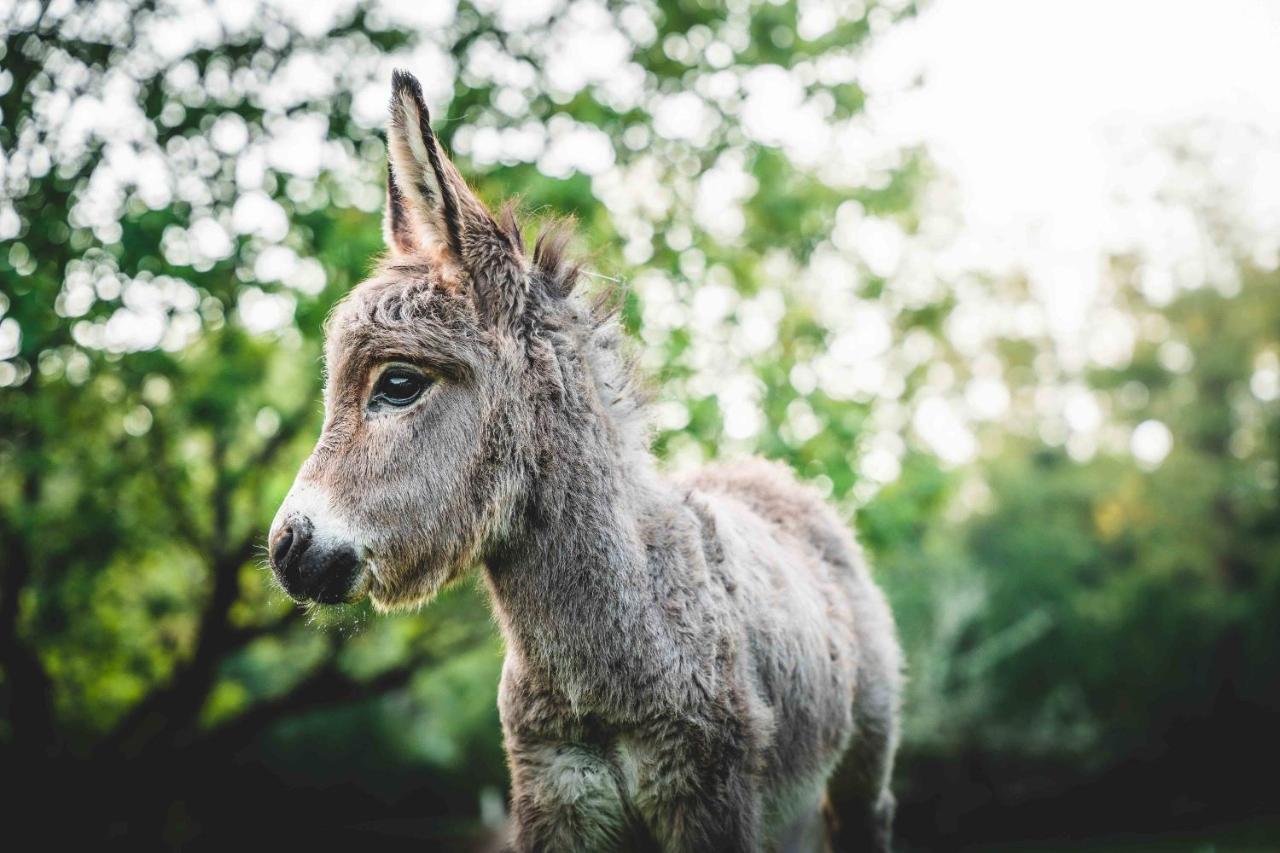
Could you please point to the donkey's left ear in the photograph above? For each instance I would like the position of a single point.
(430, 207)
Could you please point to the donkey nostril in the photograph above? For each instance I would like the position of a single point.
(289, 548)
(280, 550)
(292, 558)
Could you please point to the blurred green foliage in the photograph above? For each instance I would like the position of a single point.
(1065, 614)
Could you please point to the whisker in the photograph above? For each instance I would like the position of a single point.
(601, 275)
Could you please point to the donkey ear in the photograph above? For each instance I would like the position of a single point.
(430, 206)
(398, 228)
(430, 192)
(420, 191)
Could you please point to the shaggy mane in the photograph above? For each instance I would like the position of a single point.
(606, 347)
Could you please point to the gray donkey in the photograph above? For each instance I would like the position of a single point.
(687, 660)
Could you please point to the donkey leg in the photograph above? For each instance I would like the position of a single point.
(866, 824)
(867, 818)
(692, 826)
(565, 798)
(697, 811)
(810, 832)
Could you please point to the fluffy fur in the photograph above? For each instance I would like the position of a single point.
(687, 660)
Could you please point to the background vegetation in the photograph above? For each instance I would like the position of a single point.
(185, 190)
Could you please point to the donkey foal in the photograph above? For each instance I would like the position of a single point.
(686, 660)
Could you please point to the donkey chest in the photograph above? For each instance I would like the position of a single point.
(572, 747)
(623, 780)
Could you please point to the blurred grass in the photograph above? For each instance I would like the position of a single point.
(1249, 837)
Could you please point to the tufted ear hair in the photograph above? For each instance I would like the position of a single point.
(431, 209)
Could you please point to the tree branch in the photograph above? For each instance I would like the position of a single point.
(325, 687)
(158, 438)
(175, 707)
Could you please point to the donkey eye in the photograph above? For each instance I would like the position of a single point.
(399, 386)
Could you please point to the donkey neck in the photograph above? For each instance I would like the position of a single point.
(576, 590)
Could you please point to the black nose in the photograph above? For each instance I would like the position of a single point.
(311, 571)
(291, 545)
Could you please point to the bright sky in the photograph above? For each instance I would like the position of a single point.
(1067, 132)
(1055, 119)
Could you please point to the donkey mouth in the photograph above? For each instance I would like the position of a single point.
(327, 578)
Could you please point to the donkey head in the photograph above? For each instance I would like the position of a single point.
(431, 395)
